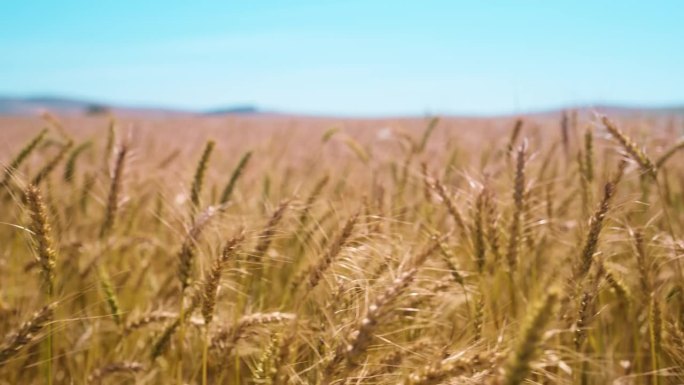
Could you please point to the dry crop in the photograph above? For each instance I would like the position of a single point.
(277, 250)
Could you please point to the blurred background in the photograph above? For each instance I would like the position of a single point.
(340, 58)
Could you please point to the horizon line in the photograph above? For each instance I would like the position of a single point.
(249, 108)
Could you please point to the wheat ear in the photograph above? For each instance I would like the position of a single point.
(668, 154)
(99, 374)
(211, 282)
(70, 167)
(198, 179)
(239, 170)
(596, 223)
(226, 340)
(268, 232)
(316, 272)
(114, 191)
(21, 157)
(519, 207)
(52, 164)
(530, 336)
(41, 229)
(26, 333)
(636, 153)
(186, 255)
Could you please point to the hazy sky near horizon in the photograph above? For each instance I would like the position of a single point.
(347, 57)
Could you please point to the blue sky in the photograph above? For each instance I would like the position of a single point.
(347, 57)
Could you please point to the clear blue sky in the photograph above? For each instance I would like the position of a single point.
(347, 57)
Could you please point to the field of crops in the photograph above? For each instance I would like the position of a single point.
(283, 250)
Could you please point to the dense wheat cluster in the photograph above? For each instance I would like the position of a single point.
(275, 250)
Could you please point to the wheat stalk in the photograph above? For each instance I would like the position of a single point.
(479, 232)
(655, 328)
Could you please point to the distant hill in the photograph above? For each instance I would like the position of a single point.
(66, 106)
(32, 106)
(233, 110)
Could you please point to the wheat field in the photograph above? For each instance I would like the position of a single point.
(284, 250)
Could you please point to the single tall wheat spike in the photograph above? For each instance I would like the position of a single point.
(492, 214)
(596, 223)
(517, 128)
(239, 170)
(449, 203)
(114, 190)
(198, 180)
(41, 230)
(519, 207)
